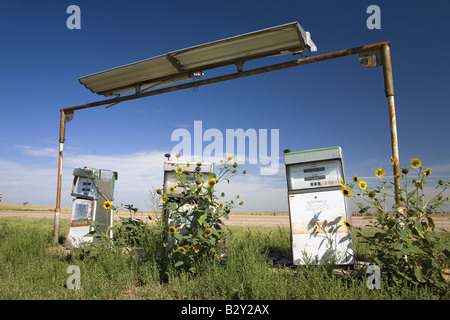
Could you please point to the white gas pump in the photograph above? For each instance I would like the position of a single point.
(170, 180)
(91, 189)
(317, 207)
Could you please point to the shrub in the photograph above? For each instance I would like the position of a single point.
(195, 230)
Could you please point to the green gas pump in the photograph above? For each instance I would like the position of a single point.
(92, 188)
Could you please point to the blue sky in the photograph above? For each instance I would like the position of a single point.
(332, 103)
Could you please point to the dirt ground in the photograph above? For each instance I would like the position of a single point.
(235, 220)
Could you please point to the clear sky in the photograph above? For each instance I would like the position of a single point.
(332, 103)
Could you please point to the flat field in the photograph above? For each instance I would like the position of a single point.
(35, 268)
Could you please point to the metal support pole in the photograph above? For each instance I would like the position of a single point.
(389, 90)
(62, 132)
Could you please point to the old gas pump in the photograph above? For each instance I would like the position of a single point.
(170, 168)
(91, 189)
(317, 207)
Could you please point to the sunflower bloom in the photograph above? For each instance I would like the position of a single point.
(179, 170)
(182, 249)
(418, 184)
(172, 229)
(229, 158)
(208, 230)
(171, 188)
(415, 163)
(164, 199)
(392, 161)
(346, 191)
(363, 185)
(187, 165)
(427, 172)
(235, 164)
(355, 179)
(341, 182)
(151, 218)
(212, 182)
(107, 205)
(380, 172)
(347, 224)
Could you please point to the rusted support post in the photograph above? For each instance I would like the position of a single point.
(62, 133)
(389, 90)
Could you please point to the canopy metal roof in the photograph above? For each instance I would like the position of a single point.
(188, 63)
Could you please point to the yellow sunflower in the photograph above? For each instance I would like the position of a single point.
(347, 224)
(164, 199)
(171, 188)
(107, 205)
(151, 218)
(208, 230)
(363, 185)
(418, 184)
(427, 172)
(182, 249)
(179, 170)
(229, 158)
(380, 172)
(341, 181)
(415, 163)
(346, 191)
(355, 179)
(212, 182)
(172, 229)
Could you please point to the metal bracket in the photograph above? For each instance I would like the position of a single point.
(240, 65)
(370, 59)
(68, 115)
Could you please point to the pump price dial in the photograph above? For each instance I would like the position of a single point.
(314, 174)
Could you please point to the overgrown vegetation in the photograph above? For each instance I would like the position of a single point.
(33, 268)
(148, 260)
(404, 246)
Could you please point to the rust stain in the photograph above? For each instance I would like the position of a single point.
(75, 223)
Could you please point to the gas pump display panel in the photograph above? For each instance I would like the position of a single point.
(170, 180)
(85, 188)
(312, 175)
(170, 175)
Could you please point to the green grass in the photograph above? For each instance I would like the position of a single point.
(33, 268)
